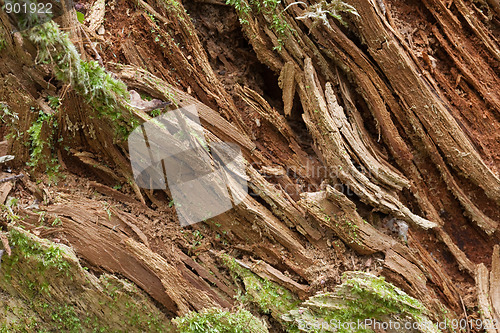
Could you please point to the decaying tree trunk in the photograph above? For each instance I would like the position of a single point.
(397, 104)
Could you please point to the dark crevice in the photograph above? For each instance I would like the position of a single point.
(299, 127)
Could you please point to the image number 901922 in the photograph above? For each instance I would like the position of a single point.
(25, 14)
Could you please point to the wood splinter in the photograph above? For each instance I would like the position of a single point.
(4, 180)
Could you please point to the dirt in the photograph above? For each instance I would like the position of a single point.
(475, 115)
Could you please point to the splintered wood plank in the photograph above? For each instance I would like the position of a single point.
(5, 189)
(266, 271)
(332, 210)
(287, 84)
(95, 16)
(495, 285)
(142, 80)
(321, 123)
(483, 297)
(205, 274)
(282, 205)
(104, 249)
(424, 104)
(117, 195)
(381, 172)
(464, 262)
(105, 242)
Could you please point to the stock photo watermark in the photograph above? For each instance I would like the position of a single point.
(335, 325)
(205, 179)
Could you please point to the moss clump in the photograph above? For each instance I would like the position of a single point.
(48, 290)
(358, 302)
(134, 313)
(377, 298)
(100, 90)
(15, 316)
(220, 321)
(28, 273)
(268, 296)
(43, 258)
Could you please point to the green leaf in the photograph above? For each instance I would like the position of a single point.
(80, 17)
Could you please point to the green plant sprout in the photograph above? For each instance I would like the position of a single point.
(270, 9)
(100, 90)
(219, 321)
(9, 118)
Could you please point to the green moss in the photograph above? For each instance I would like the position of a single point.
(21, 326)
(99, 89)
(42, 139)
(173, 4)
(16, 317)
(360, 297)
(377, 298)
(342, 222)
(10, 119)
(219, 321)
(166, 89)
(352, 229)
(271, 11)
(65, 318)
(38, 264)
(269, 297)
(133, 313)
(60, 296)
(25, 248)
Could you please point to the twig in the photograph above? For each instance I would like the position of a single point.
(97, 55)
(4, 180)
(295, 3)
(213, 2)
(465, 312)
(65, 90)
(6, 158)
